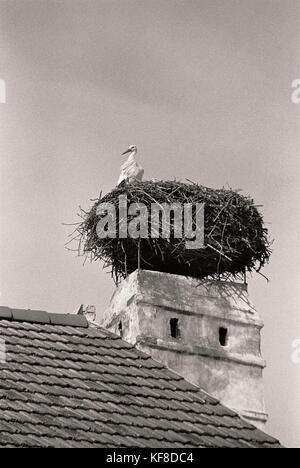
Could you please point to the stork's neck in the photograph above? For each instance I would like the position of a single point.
(132, 154)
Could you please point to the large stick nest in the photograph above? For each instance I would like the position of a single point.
(235, 237)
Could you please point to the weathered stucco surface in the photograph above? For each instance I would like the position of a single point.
(142, 307)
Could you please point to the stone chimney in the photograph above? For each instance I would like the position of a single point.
(206, 331)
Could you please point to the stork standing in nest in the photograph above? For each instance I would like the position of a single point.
(130, 170)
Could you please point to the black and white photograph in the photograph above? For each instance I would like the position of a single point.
(149, 227)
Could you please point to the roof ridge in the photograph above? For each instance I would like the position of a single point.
(42, 317)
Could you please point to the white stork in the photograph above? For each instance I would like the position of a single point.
(130, 170)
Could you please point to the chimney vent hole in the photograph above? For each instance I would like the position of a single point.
(175, 332)
(223, 336)
(120, 328)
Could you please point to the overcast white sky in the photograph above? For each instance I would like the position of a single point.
(203, 88)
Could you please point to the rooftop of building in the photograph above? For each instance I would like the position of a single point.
(67, 383)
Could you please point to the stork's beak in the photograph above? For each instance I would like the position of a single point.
(127, 151)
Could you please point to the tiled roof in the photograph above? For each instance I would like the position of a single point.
(66, 384)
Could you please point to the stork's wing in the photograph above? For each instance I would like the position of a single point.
(126, 166)
(131, 171)
(121, 178)
(129, 162)
(134, 172)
